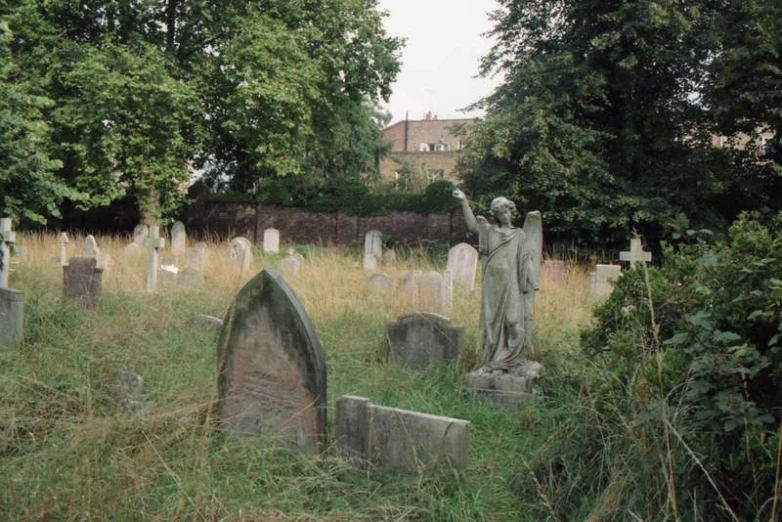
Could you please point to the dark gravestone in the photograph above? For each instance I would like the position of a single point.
(272, 376)
(83, 281)
(420, 339)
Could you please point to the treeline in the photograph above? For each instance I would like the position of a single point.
(608, 111)
(106, 99)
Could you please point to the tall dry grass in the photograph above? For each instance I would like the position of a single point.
(67, 454)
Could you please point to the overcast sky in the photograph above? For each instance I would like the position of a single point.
(441, 58)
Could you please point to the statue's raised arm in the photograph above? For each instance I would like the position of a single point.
(469, 217)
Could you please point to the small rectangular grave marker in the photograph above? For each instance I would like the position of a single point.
(420, 339)
(603, 277)
(400, 439)
(178, 239)
(82, 280)
(154, 244)
(8, 239)
(271, 241)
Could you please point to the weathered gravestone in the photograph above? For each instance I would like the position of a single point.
(140, 235)
(603, 278)
(90, 248)
(292, 263)
(462, 263)
(178, 239)
(381, 283)
(82, 281)
(420, 339)
(271, 241)
(410, 285)
(197, 257)
(272, 375)
(435, 292)
(373, 244)
(11, 301)
(240, 251)
(399, 439)
(369, 263)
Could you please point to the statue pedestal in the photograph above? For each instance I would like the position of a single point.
(505, 389)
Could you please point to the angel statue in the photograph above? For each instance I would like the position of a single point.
(510, 262)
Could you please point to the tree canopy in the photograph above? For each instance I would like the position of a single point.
(607, 111)
(128, 98)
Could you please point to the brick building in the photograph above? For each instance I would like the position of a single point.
(430, 147)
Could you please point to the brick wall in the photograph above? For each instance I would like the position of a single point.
(325, 228)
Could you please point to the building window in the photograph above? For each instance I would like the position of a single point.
(424, 147)
(441, 146)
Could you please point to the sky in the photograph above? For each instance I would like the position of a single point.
(441, 57)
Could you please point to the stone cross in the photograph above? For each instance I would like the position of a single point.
(9, 237)
(636, 253)
(154, 244)
(63, 249)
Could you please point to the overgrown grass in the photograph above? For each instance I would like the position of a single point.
(67, 454)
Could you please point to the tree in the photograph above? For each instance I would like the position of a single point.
(602, 119)
(29, 188)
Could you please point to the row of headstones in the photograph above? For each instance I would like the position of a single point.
(272, 380)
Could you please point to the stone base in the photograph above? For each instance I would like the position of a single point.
(11, 317)
(505, 389)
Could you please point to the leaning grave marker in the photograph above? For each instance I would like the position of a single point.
(272, 374)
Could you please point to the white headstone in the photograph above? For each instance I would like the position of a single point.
(154, 244)
(636, 253)
(462, 263)
(381, 283)
(431, 290)
(63, 249)
(9, 238)
(603, 277)
(241, 252)
(373, 244)
(370, 263)
(90, 248)
(410, 285)
(271, 241)
(389, 256)
(140, 235)
(178, 238)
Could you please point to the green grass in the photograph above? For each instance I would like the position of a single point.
(66, 454)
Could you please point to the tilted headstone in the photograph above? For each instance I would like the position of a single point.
(178, 239)
(381, 283)
(82, 281)
(463, 263)
(154, 244)
(373, 244)
(90, 248)
(140, 235)
(63, 249)
(240, 251)
(603, 278)
(369, 263)
(636, 253)
(197, 257)
(400, 440)
(420, 339)
(292, 263)
(271, 241)
(272, 375)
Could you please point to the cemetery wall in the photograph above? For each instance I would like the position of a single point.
(225, 219)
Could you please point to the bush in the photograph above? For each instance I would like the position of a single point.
(695, 349)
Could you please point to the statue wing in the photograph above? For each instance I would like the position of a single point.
(533, 240)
